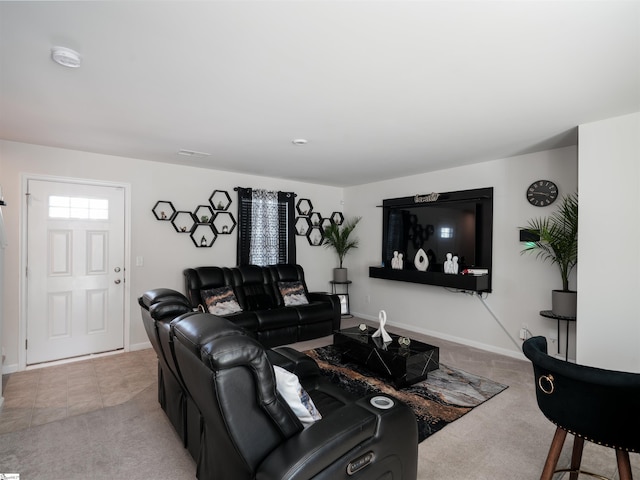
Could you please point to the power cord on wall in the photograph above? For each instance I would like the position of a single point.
(495, 317)
(524, 332)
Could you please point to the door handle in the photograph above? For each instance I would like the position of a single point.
(117, 282)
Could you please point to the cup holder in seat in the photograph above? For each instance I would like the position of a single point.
(383, 403)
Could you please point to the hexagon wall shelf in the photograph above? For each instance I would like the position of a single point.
(302, 226)
(304, 207)
(184, 222)
(164, 210)
(220, 200)
(204, 235)
(224, 223)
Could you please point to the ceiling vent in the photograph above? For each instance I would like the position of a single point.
(193, 153)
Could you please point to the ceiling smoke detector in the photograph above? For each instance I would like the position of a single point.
(66, 57)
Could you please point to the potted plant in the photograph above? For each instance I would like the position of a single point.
(558, 242)
(338, 238)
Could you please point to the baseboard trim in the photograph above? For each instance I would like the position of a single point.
(139, 346)
(11, 368)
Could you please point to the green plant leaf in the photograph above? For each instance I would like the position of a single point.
(337, 237)
(558, 237)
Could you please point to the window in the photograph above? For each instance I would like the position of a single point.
(266, 234)
(79, 208)
(446, 232)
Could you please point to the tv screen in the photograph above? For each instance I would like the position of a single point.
(458, 223)
(437, 230)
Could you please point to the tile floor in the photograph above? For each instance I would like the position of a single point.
(43, 395)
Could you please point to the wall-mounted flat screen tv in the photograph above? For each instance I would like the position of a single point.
(459, 223)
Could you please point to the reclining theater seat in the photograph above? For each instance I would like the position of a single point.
(159, 307)
(200, 279)
(264, 312)
(312, 315)
(249, 432)
(276, 325)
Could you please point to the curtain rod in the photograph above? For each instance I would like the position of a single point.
(235, 189)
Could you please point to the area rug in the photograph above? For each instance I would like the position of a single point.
(446, 395)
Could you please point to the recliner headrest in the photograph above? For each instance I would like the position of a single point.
(158, 295)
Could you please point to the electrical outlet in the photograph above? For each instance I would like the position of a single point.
(553, 336)
(524, 331)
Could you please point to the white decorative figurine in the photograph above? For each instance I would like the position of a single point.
(454, 267)
(421, 261)
(448, 264)
(400, 261)
(381, 332)
(394, 260)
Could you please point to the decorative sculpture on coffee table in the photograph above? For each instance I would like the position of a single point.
(381, 332)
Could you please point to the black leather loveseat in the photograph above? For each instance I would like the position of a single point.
(261, 304)
(218, 386)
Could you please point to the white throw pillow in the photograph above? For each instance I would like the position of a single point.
(289, 388)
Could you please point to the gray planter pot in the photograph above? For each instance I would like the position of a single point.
(564, 304)
(340, 275)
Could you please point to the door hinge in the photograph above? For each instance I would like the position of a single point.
(26, 343)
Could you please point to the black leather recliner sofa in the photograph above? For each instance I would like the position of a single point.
(218, 384)
(264, 313)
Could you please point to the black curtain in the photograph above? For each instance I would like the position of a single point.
(286, 220)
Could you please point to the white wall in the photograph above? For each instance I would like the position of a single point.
(165, 252)
(521, 284)
(609, 258)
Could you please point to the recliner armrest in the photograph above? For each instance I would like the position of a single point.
(333, 300)
(323, 297)
(312, 450)
(357, 426)
(296, 362)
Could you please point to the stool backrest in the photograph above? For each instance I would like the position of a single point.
(599, 405)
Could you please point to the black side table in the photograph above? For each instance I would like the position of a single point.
(550, 314)
(344, 296)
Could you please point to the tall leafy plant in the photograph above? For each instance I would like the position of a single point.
(339, 238)
(558, 238)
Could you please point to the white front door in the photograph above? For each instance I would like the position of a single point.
(75, 269)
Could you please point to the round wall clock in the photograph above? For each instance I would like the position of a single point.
(542, 193)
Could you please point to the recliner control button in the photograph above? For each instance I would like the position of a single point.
(359, 463)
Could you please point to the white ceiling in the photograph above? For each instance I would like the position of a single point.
(379, 89)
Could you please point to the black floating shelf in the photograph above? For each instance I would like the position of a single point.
(479, 283)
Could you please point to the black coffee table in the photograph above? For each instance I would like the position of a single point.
(403, 364)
